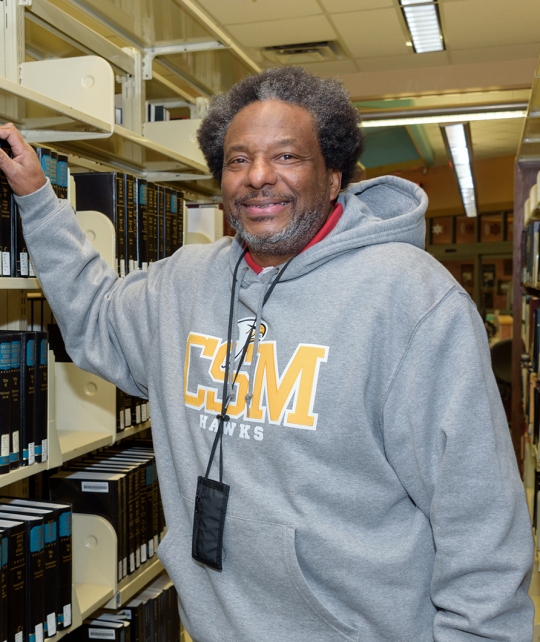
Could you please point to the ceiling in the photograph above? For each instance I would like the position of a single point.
(492, 51)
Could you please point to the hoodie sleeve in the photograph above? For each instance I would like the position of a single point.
(447, 438)
(104, 320)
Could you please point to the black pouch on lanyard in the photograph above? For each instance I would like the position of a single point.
(209, 522)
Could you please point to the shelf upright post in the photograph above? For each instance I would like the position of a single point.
(12, 50)
(133, 104)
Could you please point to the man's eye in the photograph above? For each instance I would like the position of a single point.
(286, 157)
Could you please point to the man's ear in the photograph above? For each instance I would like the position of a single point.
(335, 183)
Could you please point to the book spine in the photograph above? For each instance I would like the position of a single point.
(35, 587)
(41, 392)
(4, 587)
(62, 176)
(65, 567)
(27, 397)
(5, 402)
(131, 224)
(15, 454)
(121, 225)
(6, 237)
(52, 574)
(170, 223)
(180, 214)
(54, 172)
(160, 196)
(17, 582)
(142, 223)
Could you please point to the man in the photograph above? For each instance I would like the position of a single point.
(374, 493)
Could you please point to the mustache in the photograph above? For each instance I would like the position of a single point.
(263, 194)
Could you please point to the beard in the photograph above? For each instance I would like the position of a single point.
(293, 238)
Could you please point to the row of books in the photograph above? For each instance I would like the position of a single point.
(23, 399)
(120, 484)
(14, 257)
(148, 218)
(35, 569)
(151, 616)
(55, 168)
(130, 411)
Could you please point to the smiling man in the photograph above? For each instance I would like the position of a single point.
(364, 485)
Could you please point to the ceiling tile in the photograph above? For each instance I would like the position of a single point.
(246, 11)
(488, 54)
(283, 32)
(339, 6)
(409, 61)
(477, 23)
(372, 33)
(331, 68)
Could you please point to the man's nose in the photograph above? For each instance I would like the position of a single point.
(261, 173)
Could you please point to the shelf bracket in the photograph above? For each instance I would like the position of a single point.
(161, 177)
(187, 46)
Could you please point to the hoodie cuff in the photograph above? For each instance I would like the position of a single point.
(37, 206)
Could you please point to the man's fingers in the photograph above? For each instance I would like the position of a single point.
(5, 162)
(13, 137)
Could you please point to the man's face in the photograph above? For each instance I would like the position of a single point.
(276, 188)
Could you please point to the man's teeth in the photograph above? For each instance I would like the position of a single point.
(269, 205)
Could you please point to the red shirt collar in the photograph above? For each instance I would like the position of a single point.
(325, 230)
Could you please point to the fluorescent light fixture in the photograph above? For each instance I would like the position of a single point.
(439, 119)
(422, 18)
(457, 138)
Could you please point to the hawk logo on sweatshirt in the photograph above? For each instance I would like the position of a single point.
(283, 394)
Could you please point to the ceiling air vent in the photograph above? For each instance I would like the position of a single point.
(302, 53)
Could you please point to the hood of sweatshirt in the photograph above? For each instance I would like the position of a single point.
(387, 209)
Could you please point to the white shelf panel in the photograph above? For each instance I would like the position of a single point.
(21, 473)
(92, 597)
(31, 110)
(8, 283)
(135, 582)
(133, 430)
(74, 443)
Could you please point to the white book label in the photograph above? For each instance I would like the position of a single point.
(4, 448)
(151, 548)
(67, 615)
(122, 267)
(95, 487)
(15, 441)
(19, 637)
(137, 558)
(31, 271)
(124, 567)
(38, 630)
(128, 417)
(31, 454)
(144, 415)
(51, 625)
(45, 450)
(122, 424)
(138, 414)
(24, 263)
(101, 634)
(6, 264)
(131, 562)
(143, 553)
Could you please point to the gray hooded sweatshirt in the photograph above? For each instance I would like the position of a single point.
(374, 490)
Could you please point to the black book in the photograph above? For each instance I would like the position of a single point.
(62, 519)
(152, 214)
(103, 630)
(15, 533)
(54, 172)
(41, 392)
(7, 264)
(134, 612)
(62, 176)
(131, 223)
(125, 535)
(179, 239)
(120, 419)
(170, 224)
(35, 571)
(104, 192)
(4, 587)
(142, 223)
(15, 454)
(160, 215)
(94, 493)
(27, 394)
(6, 383)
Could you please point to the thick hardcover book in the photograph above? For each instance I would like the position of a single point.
(54, 172)
(142, 223)
(6, 383)
(62, 176)
(134, 612)
(160, 215)
(35, 572)
(170, 223)
(7, 256)
(104, 192)
(180, 206)
(4, 587)
(41, 386)
(103, 630)
(131, 223)
(95, 493)
(27, 395)
(15, 533)
(64, 563)
(15, 454)
(152, 209)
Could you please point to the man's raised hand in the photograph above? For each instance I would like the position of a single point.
(23, 171)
